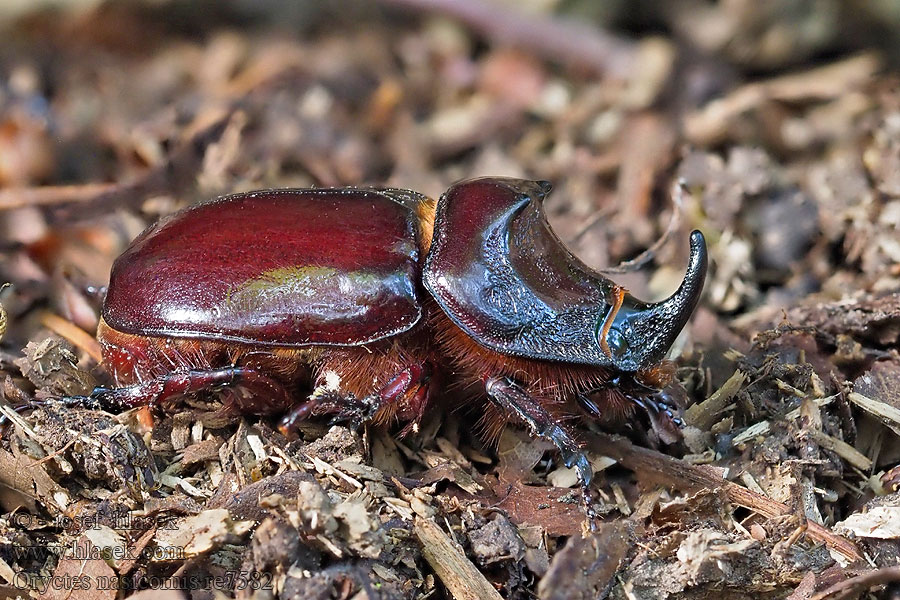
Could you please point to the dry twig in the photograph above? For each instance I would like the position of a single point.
(855, 586)
(687, 477)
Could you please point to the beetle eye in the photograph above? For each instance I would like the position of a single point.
(617, 344)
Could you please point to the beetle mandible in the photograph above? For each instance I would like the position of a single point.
(378, 299)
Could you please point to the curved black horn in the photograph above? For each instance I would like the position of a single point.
(655, 328)
(679, 306)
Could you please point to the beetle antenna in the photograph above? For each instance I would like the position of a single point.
(678, 189)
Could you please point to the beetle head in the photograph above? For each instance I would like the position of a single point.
(502, 275)
(642, 333)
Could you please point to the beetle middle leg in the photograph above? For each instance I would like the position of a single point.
(251, 391)
(405, 397)
(513, 400)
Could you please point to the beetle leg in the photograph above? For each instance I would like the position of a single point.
(405, 395)
(515, 401)
(323, 402)
(253, 391)
(659, 404)
(662, 412)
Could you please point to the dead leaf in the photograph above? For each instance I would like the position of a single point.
(82, 575)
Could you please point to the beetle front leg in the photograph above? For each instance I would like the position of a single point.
(252, 392)
(659, 405)
(518, 403)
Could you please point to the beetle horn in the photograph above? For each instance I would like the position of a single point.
(656, 327)
(675, 310)
(680, 305)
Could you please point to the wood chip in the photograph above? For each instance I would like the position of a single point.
(855, 586)
(25, 482)
(72, 332)
(199, 534)
(7, 572)
(885, 413)
(842, 449)
(704, 414)
(446, 557)
(4, 318)
(585, 567)
(202, 451)
(881, 522)
(645, 153)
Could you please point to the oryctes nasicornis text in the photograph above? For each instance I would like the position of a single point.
(378, 299)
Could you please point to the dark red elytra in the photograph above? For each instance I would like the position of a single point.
(376, 301)
(273, 268)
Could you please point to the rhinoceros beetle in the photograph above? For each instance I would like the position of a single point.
(378, 299)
